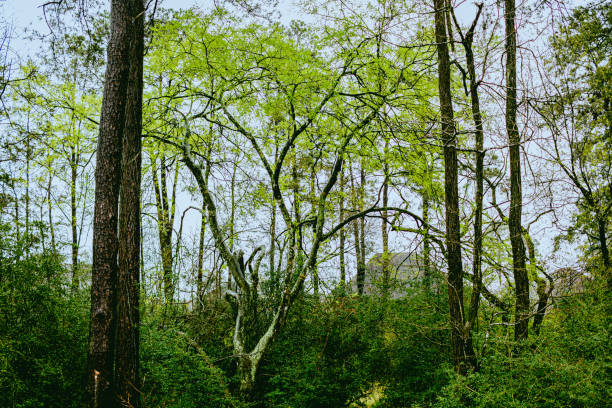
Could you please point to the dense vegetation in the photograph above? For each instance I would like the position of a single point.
(382, 204)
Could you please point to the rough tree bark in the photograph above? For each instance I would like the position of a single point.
(460, 344)
(342, 233)
(521, 280)
(108, 176)
(128, 290)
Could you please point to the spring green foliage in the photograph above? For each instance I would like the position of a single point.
(43, 331)
(568, 365)
(247, 86)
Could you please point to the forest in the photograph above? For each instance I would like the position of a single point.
(309, 203)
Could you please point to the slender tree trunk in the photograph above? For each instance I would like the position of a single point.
(129, 386)
(315, 272)
(272, 260)
(199, 282)
(426, 241)
(602, 226)
(274, 273)
(165, 222)
(108, 178)
(362, 219)
(603, 240)
(232, 221)
(299, 256)
(472, 317)
(360, 278)
(384, 224)
(460, 344)
(521, 280)
(342, 233)
(27, 191)
(541, 308)
(16, 214)
(73, 217)
(50, 213)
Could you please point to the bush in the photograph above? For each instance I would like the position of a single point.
(568, 365)
(177, 373)
(43, 335)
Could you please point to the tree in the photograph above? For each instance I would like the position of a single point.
(128, 289)
(576, 108)
(521, 279)
(463, 359)
(295, 102)
(123, 44)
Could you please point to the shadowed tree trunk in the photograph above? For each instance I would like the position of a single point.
(342, 233)
(426, 241)
(50, 213)
(361, 204)
(108, 177)
(461, 344)
(360, 277)
(385, 223)
(472, 316)
(128, 291)
(166, 210)
(73, 217)
(521, 280)
(199, 281)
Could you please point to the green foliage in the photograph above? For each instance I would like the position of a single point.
(43, 334)
(417, 338)
(177, 373)
(327, 355)
(569, 365)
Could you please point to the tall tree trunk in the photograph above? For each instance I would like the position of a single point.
(426, 240)
(274, 273)
(73, 217)
(472, 316)
(362, 193)
(384, 224)
(199, 282)
(460, 343)
(232, 220)
(360, 278)
(521, 280)
(541, 285)
(272, 259)
(128, 292)
(602, 226)
(298, 253)
(108, 177)
(342, 233)
(315, 271)
(16, 214)
(27, 190)
(165, 221)
(50, 213)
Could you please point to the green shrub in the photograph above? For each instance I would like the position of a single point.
(43, 335)
(177, 373)
(568, 365)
